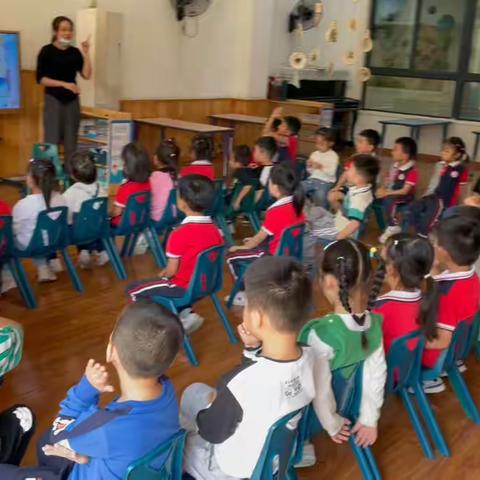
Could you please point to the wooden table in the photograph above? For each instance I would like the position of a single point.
(193, 127)
(234, 118)
(415, 125)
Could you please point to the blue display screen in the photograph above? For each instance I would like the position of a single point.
(9, 70)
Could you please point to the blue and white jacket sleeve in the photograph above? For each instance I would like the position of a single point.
(80, 398)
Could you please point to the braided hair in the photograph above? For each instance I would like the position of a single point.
(350, 263)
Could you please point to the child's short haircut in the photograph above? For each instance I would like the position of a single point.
(460, 237)
(367, 166)
(409, 146)
(147, 337)
(197, 191)
(327, 133)
(137, 167)
(242, 154)
(293, 124)
(83, 167)
(268, 145)
(281, 289)
(203, 147)
(372, 137)
(276, 123)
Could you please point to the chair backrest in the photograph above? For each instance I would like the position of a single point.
(347, 388)
(291, 242)
(278, 449)
(264, 201)
(48, 151)
(163, 463)
(50, 234)
(474, 332)
(404, 361)
(91, 222)
(171, 214)
(136, 215)
(248, 204)
(6, 237)
(460, 343)
(218, 206)
(207, 277)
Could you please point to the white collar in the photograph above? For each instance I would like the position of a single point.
(355, 190)
(453, 164)
(402, 295)
(281, 201)
(351, 324)
(196, 219)
(407, 166)
(201, 162)
(447, 275)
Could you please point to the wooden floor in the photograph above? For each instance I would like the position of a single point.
(67, 329)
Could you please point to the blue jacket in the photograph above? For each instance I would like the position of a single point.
(114, 436)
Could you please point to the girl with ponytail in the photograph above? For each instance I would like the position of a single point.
(285, 187)
(352, 333)
(43, 185)
(412, 302)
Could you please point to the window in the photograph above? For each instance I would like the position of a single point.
(426, 58)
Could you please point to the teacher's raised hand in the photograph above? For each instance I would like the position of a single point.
(86, 46)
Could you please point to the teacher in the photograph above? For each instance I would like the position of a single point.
(57, 67)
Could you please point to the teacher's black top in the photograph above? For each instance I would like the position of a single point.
(62, 65)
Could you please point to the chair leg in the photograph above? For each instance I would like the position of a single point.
(156, 247)
(133, 243)
(417, 425)
(361, 460)
(226, 324)
(22, 282)
(372, 463)
(77, 283)
(430, 420)
(379, 217)
(125, 246)
(235, 289)
(114, 257)
(254, 220)
(222, 223)
(463, 394)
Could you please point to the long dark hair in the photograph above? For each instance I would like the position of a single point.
(285, 177)
(202, 147)
(168, 154)
(43, 175)
(412, 258)
(137, 167)
(56, 24)
(349, 262)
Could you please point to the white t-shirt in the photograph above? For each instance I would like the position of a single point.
(328, 161)
(80, 192)
(265, 175)
(25, 214)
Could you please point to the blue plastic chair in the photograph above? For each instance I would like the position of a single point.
(163, 463)
(9, 259)
(49, 151)
(404, 366)
(51, 236)
(291, 245)
(91, 225)
(206, 281)
(263, 203)
(218, 211)
(135, 221)
(171, 217)
(276, 458)
(457, 351)
(247, 207)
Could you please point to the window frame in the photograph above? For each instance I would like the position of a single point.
(461, 76)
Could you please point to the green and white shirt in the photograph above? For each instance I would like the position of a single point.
(339, 338)
(11, 344)
(355, 206)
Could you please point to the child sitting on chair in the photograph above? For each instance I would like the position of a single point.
(322, 167)
(265, 155)
(90, 442)
(456, 241)
(201, 153)
(164, 176)
(196, 233)
(287, 211)
(86, 187)
(285, 130)
(278, 376)
(401, 183)
(43, 185)
(136, 170)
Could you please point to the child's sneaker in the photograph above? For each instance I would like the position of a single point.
(141, 246)
(102, 259)
(84, 260)
(238, 301)
(45, 274)
(308, 456)
(461, 368)
(55, 265)
(389, 231)
(433, 386)
(191, 321)
(8, 282)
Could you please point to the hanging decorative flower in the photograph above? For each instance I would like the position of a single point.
(298, 60)
(349, 58)
(331, 35)
(313, 56)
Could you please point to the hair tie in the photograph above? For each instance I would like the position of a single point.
(428, 275)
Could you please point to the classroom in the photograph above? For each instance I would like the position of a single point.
(239, 239)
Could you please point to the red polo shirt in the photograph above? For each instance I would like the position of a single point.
(199, 167)
(187, 241)
(5, 208)
(124, 192)
(278, 217)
